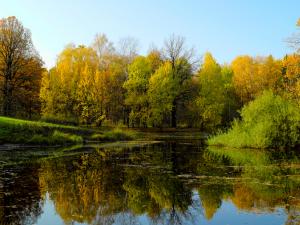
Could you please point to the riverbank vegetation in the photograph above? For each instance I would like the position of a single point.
(269, 121)
(104, 84)
(115, 135)
(35, 132)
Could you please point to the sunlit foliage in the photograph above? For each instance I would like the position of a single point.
(268, 121)
(20, 70)
(253, 75)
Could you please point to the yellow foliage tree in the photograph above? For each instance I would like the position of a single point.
(291, 75)
(253, 75)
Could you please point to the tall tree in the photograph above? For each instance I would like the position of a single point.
(117, 73)
(216, 103)
(68, 89)
(179, 57)
(27, 95)
(162, 92)
(137, 84)
(19, 62)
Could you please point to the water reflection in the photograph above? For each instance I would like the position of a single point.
(163, 183)
(20, 196)
(268, 180)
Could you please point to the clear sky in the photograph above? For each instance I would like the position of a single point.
(226, 28)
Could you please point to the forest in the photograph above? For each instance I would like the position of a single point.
(251, 102)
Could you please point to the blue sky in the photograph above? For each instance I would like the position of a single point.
(226, 28)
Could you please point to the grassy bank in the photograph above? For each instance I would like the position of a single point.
(35, 132)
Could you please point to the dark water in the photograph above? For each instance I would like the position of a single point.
(171, 182)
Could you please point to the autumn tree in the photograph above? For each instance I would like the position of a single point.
(112, 73)
(179, 57)
(253, 75)
(215, 103)
(137, 85)
(20, 66)
(162, 92)
(154, 57)
(115, 108)
(68, 89)
(290, 83)
(210, 101)
(291, 76)
(27, 95)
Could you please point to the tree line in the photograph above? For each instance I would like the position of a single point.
(106, 84)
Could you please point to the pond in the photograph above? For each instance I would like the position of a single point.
(166, 182)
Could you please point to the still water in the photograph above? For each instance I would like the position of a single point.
(168, 182)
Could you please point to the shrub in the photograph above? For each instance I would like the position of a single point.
(269, 121)
(60, 137)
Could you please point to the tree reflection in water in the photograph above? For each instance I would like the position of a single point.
(157, 183)
(99, 185)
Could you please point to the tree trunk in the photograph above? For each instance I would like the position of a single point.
(30, 109)
(7, 98)
(173, 114)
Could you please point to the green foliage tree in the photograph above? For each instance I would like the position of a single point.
(137, 85)
(216, 102)
(179, 57)
(162, 92)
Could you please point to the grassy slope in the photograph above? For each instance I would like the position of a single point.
(35, 132)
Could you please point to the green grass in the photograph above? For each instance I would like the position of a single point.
(42, 133)
(56, 138)
(116, 134)
(35, 132)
